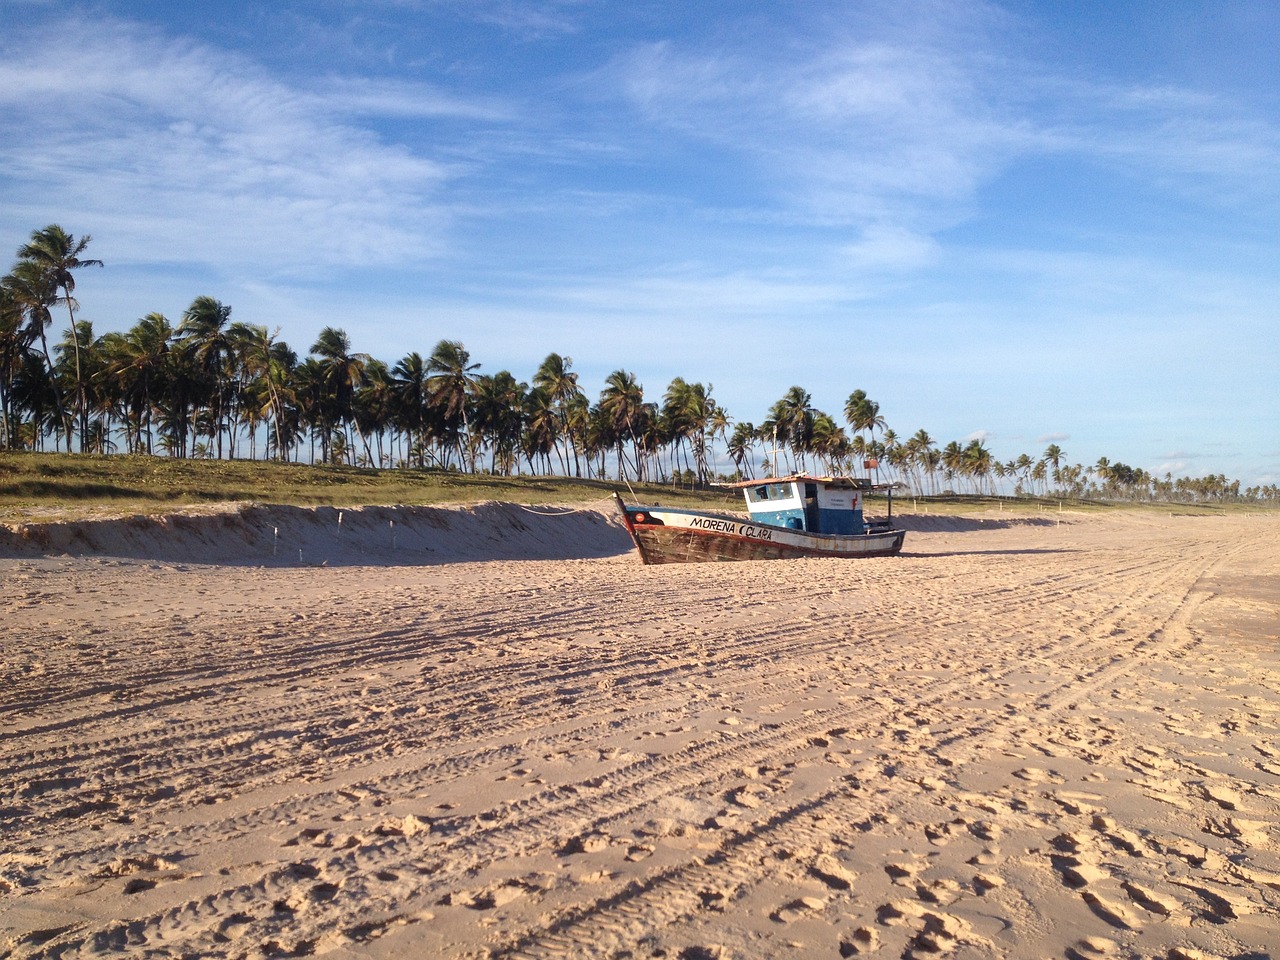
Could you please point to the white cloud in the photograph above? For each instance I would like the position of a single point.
(395, 98)
(889, 247)
(849, 130)
(883, 124)
(197, 155)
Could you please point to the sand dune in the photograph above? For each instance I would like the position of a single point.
(501, 736)
(314, 536)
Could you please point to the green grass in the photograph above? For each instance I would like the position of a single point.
(87, 484)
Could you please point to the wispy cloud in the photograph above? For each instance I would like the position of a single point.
(363, 96)
(198, 155)
(897, 131)
(530, 18)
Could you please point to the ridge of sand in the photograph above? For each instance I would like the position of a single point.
(278, 535)
(1018, 740)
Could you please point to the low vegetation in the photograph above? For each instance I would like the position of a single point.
(86, 484)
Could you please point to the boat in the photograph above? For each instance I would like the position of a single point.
(788, 517)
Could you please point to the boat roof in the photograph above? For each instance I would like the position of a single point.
(860, 483)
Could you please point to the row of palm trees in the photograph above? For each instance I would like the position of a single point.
(210, 386)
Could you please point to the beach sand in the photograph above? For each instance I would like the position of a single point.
(491, 732)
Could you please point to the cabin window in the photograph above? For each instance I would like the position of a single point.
(771, 491)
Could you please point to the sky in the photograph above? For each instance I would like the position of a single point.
(1024, 222)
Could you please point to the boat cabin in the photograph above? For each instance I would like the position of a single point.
(814, 504)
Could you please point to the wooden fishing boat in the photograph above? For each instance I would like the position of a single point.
(795, 516)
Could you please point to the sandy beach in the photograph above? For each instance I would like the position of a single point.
(491, 732)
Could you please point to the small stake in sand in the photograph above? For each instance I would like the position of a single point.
(393, 533)
(275, 544)
(339, 521)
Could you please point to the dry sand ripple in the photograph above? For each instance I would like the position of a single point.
(1013, 740)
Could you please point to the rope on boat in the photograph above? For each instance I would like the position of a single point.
(591, 506)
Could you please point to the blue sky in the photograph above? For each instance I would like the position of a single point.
(1028, 222)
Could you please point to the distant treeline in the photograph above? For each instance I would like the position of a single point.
(210, 387)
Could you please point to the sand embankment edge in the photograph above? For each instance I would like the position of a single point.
(292, 535)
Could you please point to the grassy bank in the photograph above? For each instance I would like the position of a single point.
(86, 484)
(33, 484)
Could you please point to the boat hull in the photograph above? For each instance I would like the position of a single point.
(664, 535)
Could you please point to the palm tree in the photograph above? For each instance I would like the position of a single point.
(450, 385)
(931, 460)
(977, 463)
(863, 413)
(541, 427)
(54, 256)
(139, 362)
(622, 408)
(13, 349)
(31, 292)
(919, 449)
(561, 386)
(340, 375)
(687, 411)
(676, 403)
(1021, 467)
(1038, 472)
(740, 445)
(953, 460)
(96, 392)
(1053, 457)
(1103, 471)
(409, 377)
(265, 365)
(211, 353)
(829, 441)
(718, 424)
(374, 409)
(499, 422)
(791, 418)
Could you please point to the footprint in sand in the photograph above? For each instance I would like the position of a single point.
(864, 941)
(489, 898)
(1120, 837)
(936, 932)
(1223, 905)
(904, 874)
(832, 872)
(985, 882)
(1091, 947)
(1248, 833)
(588, 843)
(798, 909)
(1074, 802)
(1223, 796)
(1078, 873)
(1111, 912)
(1148, 900)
